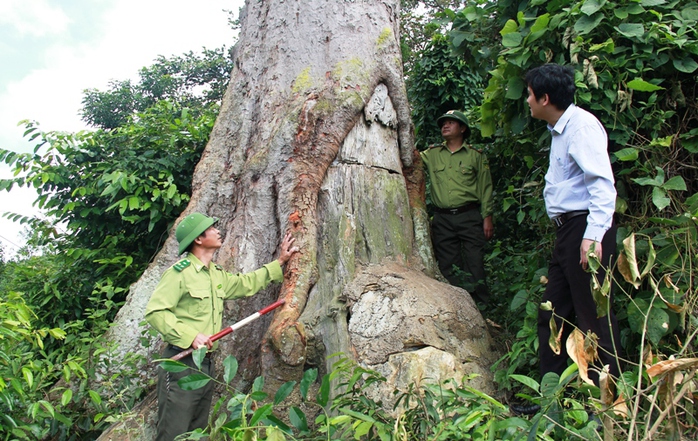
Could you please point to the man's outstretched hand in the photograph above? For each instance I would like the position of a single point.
(287, 249)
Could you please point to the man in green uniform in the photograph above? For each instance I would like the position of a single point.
(461, 191)
(187, 309)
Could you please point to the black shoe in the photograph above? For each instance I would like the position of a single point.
(524, 409)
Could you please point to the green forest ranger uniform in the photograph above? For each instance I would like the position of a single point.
(461, 191)
(189, 300)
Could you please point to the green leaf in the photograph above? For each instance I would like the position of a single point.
(95, 397)
(198, 356)
(258, 384)
(283, 392)
(659, 198)
(362, 429)
(651, 3)
(512, 39)
(526, 381)
(297, 418)
(631, 30)
(686, 65)
(309, 377)
(549, 385)
(590, 7)
(323, 396)
(66, 397)
(193, 381)
(654, 182)
(541, 23)
(515, 88)
(259, 395)
(274, 421)
(230, 365)
(173, 366)
(586, 24)
(627, 154)
(274, 434)
(643, 86)
(28, 377)
(675, 183)
(509, 27)
(134, 202)
(261, 413)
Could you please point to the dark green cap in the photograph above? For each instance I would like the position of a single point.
(455, 115)
(191, 227)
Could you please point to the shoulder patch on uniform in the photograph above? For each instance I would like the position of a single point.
(219, 268)
(179, 266)
(476, 149)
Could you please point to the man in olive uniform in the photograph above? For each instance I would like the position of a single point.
(187, 309)
(461, 191)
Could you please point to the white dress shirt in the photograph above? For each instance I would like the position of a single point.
(580, 175)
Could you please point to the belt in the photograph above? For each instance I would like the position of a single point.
(565, 217)
(462, 209)
(178, 349)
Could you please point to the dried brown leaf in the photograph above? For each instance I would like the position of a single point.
(667, 366)
(575, 349)
(555, 336)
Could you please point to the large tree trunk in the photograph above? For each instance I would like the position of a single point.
(314, 137)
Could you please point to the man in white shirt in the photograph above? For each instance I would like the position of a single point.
(580, 199)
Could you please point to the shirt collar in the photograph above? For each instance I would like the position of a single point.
(562, 122)
(195, 262)
(463, 146)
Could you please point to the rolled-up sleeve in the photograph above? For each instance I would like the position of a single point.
(245, 285)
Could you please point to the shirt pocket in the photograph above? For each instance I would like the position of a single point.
(201, 301)
(468, 173)
(440, 172)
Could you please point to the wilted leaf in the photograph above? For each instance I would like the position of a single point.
(666, 366)
(606, 394)
(591, 347)
(546, 306)
(600, 294)
(651, 256)
(575, 349)
(555, 336)
(620, 406)
(627, 262)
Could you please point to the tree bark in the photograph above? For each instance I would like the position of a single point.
(314, 137)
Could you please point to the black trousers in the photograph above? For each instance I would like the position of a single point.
(181, 411)
(569, 291)
(459, 239)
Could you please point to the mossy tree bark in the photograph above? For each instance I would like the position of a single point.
(307, 76)
(314, 137)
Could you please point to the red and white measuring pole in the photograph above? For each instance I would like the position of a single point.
(234, 327)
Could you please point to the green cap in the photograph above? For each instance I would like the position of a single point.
(191, 227)
(455, 115)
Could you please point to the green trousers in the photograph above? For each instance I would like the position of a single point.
(181, 411)
(459, 240)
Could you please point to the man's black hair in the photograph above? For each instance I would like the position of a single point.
(554, 80)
